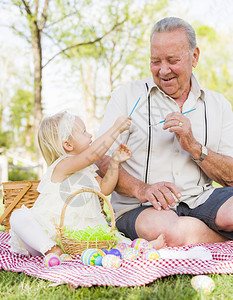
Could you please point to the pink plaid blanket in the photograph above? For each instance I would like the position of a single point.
(131, 273)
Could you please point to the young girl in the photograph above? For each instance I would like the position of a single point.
(70, 155)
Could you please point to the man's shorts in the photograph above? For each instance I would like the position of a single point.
(205, 212)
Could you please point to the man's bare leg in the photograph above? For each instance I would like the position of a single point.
(196, 232)
(224, 217)
(178, 231)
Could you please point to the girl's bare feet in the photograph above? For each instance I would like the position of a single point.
(160, 242)
(55, 249)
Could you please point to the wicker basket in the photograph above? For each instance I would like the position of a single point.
(72, 246)
(16, 194)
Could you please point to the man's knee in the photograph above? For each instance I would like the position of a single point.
(149, 226)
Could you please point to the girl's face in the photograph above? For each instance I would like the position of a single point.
(80, 139)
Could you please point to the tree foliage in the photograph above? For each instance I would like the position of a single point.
(120, 57)
(40, 23)
(21, 118)
(214, 69)
(107, 43)
(14, 74)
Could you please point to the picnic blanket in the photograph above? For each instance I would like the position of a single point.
(131, 273)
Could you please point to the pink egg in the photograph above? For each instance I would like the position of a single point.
(52, 260)
(122, 247)
(140, 243)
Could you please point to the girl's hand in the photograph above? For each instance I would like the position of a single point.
(121, 154)
(122, 123)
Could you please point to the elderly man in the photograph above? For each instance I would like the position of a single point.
(181, 139)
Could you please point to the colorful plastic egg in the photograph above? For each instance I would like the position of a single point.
(150, 254)
(105, 251)
(142, 250)
(65, 257)
(91, 257)
(111, 261)
(97, 260)
(122, 247)
(203, 283)
(52, 260)
(141, 244)
(85, 257)
(130, 254)
(102, 252)
(115, 252)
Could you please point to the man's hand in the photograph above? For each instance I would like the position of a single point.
(181, 126)
(159, 194)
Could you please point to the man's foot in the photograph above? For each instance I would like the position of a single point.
(160, 242)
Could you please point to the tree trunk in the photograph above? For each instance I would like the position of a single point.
(28, 139)
(37, 57)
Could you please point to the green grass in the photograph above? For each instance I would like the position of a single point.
(21, 286)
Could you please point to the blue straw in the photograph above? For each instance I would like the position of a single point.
(134, 107)
(182, 114)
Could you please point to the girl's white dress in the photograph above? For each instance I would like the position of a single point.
(84, 210)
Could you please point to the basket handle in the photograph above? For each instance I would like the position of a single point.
(86, 191)
(15, 202)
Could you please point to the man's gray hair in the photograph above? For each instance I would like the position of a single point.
(173, 23)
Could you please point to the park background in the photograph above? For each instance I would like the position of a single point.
(69, 55)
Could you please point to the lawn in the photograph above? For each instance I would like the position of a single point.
(20, 286)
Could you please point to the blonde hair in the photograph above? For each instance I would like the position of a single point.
(52, 132)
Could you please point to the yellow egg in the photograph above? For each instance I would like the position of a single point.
(150, 254)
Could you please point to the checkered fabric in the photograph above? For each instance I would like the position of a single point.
(131, 273)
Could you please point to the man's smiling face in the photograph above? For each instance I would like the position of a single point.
(172, 62)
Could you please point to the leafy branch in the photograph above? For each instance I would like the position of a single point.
(84, 43)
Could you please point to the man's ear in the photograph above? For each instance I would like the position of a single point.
(195, 58)
(67, 146)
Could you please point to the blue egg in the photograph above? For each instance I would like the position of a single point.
(98, 261)
(105, 251)
(115, 252)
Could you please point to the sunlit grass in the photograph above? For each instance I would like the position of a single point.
(177, 287)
